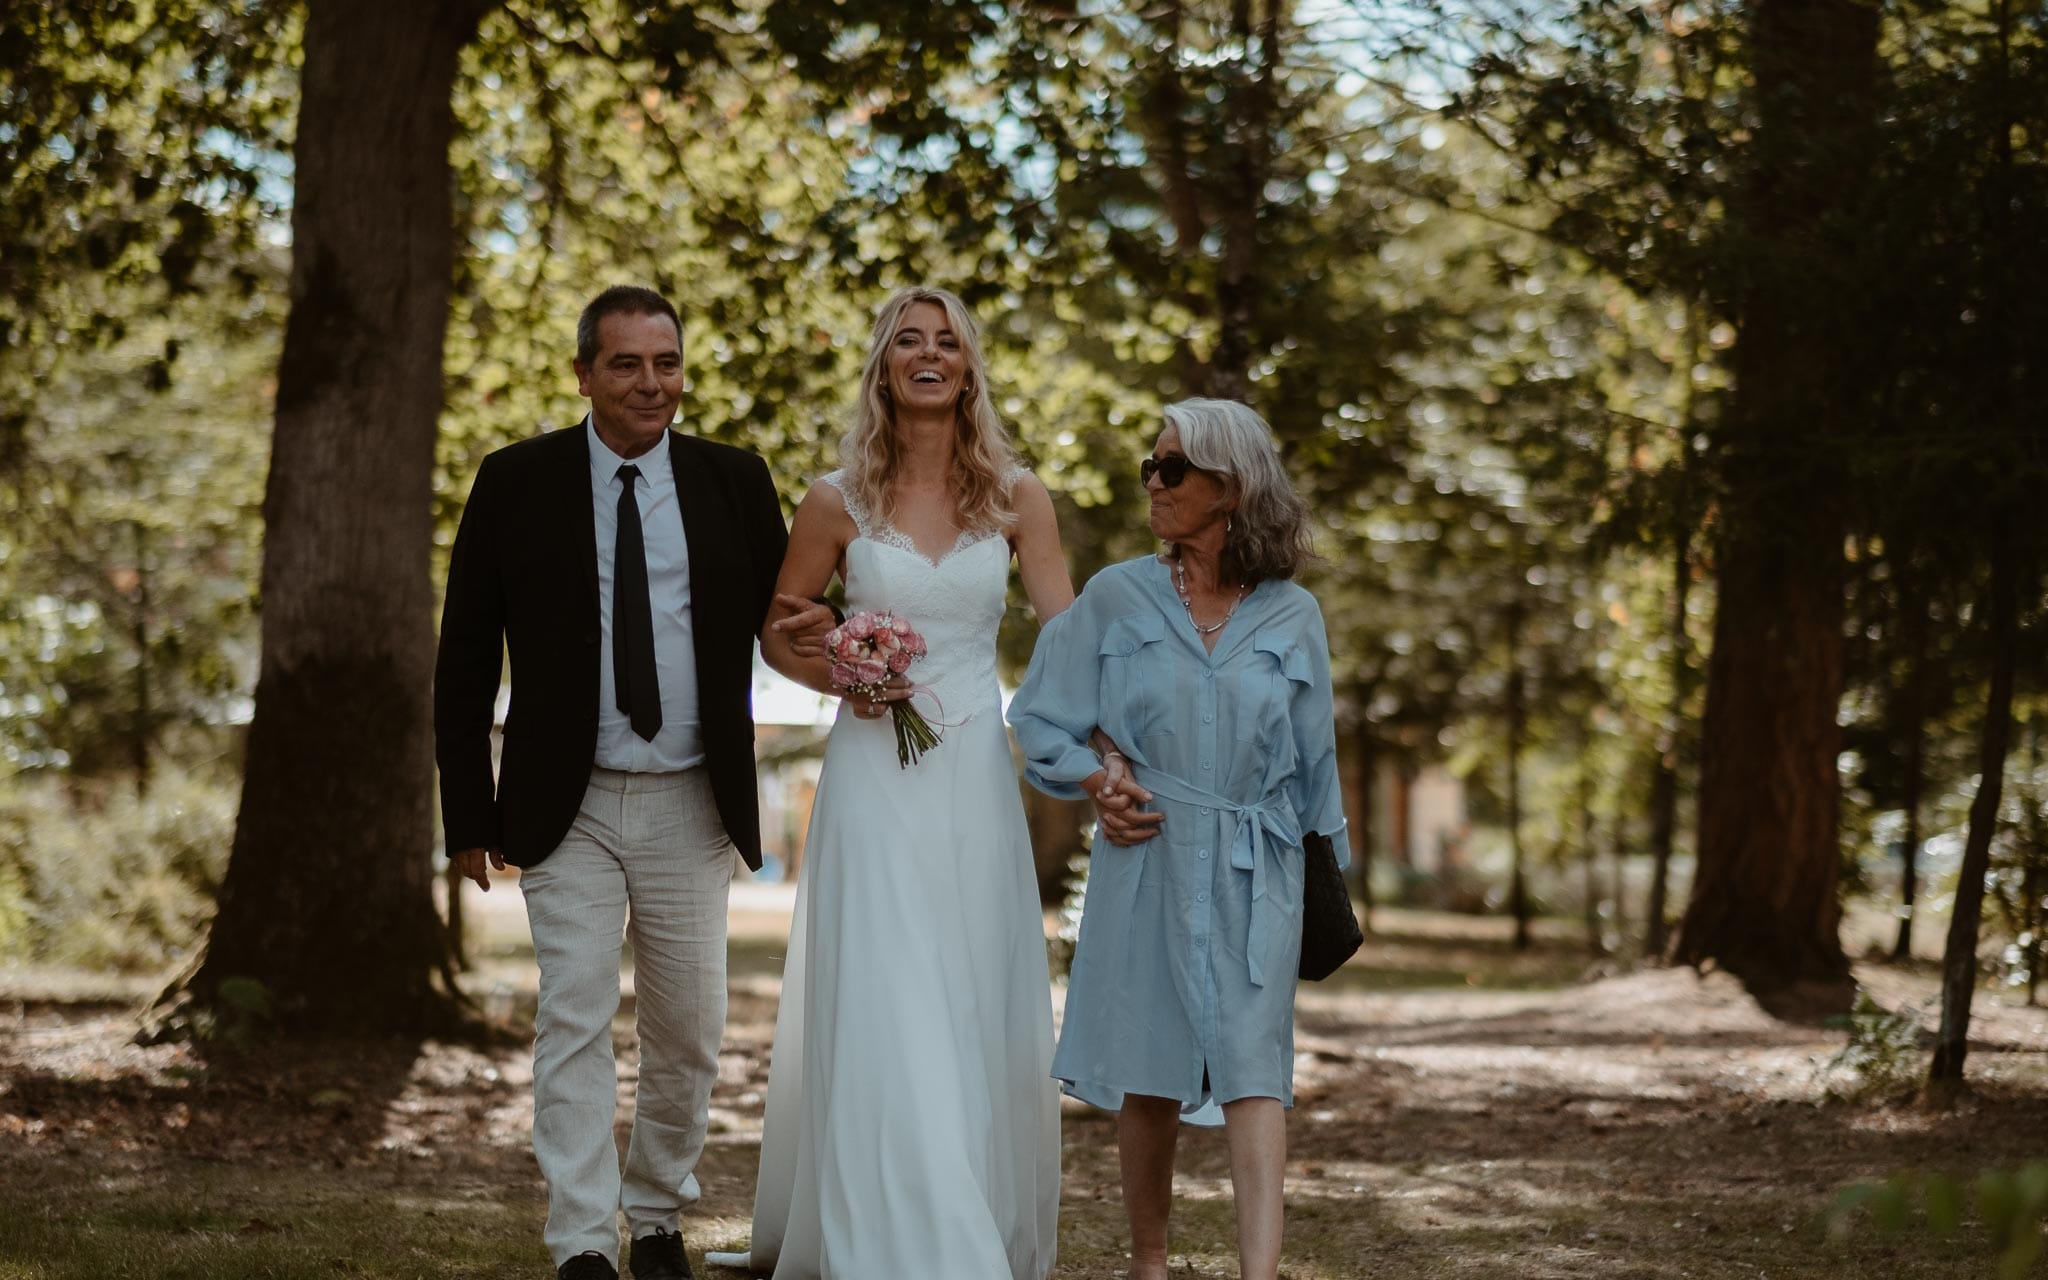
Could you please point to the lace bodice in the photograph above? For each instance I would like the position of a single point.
(956, 603)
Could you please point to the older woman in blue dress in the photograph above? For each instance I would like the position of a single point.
(1188, 694)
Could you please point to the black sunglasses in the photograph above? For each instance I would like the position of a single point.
(1171, 470)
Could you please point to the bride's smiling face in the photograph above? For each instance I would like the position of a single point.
(926, 367)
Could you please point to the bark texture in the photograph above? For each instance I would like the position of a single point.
(1365, 817)
(1914, 716)
(1765, 900)
(1517, 726)
(328, 899)
(1959, 957)
(1670, 747)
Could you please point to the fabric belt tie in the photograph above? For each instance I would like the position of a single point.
(1263, 828)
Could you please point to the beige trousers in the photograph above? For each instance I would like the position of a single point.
(647, 858)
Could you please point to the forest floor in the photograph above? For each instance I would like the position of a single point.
(1463, 1111)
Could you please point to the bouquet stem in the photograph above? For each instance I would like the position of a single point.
(914, 734)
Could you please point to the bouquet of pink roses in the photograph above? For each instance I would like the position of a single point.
(868, 648)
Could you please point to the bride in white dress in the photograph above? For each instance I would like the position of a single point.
(912, 1124)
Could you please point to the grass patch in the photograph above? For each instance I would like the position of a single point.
(187, 1221)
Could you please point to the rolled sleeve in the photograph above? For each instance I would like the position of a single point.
(1058, 705)
(1317, 790)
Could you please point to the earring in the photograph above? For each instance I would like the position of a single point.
(1226, 526)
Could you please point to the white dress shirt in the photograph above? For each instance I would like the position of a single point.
(680, 743)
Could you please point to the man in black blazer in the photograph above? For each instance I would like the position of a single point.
(628, 570)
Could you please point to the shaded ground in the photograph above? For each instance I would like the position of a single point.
(1463, 1111)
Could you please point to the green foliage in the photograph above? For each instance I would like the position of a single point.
(2012, 1205)
(128, 553)
(140, 144)
(99, 878)
(1140, 206)
(1883, 1058)
(574, 171)
(140, 190)
(1473, 262)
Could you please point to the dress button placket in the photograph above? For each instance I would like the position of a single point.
(1205, 739)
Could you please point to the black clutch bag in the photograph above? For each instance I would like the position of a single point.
(1329, 927)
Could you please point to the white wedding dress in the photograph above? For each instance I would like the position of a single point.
(912, 1126)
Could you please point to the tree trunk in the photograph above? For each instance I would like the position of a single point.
(2033, 893)
(328, 898)
(144, 722)
(1617, 869)
(1589, 858)
(456, 929)
(1518, 889)
(1238, 277)
(2031, 886)
(1400, 815)
(1663, 828)
(1368, 768)
(1058, 836)
(1664, 783)
(1765, 902)
(1959, 957)
(1915, 732)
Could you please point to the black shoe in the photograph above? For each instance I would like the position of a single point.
(587, 1266)
(660, 1257)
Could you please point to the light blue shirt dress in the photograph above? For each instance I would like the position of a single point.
(1184, 972)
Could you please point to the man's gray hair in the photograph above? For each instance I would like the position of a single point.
(1268, 535)
(619, 300)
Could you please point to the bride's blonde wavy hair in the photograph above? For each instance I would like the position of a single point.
(983, 457)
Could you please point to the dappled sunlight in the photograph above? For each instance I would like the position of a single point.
(1654, 379)
(1648, 1124)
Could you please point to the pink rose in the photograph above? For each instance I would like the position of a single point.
(834, 636)
(860, 626)
(871, 672)
(899, 661)
(843, 676)
(901, 626)
(888, 641)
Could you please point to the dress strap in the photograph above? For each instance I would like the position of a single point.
(863, 520)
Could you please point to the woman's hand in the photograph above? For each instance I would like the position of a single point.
(895, 689)
(1117, 795)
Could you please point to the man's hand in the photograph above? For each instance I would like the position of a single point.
(1117, 795)
(805, 627)
(469, 864)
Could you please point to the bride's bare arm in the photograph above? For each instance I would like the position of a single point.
(1041, 563)
(817, 540)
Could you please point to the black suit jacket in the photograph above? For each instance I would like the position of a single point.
(523, 578)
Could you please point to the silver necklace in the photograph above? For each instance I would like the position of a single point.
(1180, 583)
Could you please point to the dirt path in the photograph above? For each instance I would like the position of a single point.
(1461, 1112)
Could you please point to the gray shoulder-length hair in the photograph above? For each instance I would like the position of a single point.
(1267, 536)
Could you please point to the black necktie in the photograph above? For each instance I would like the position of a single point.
(633, 619)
